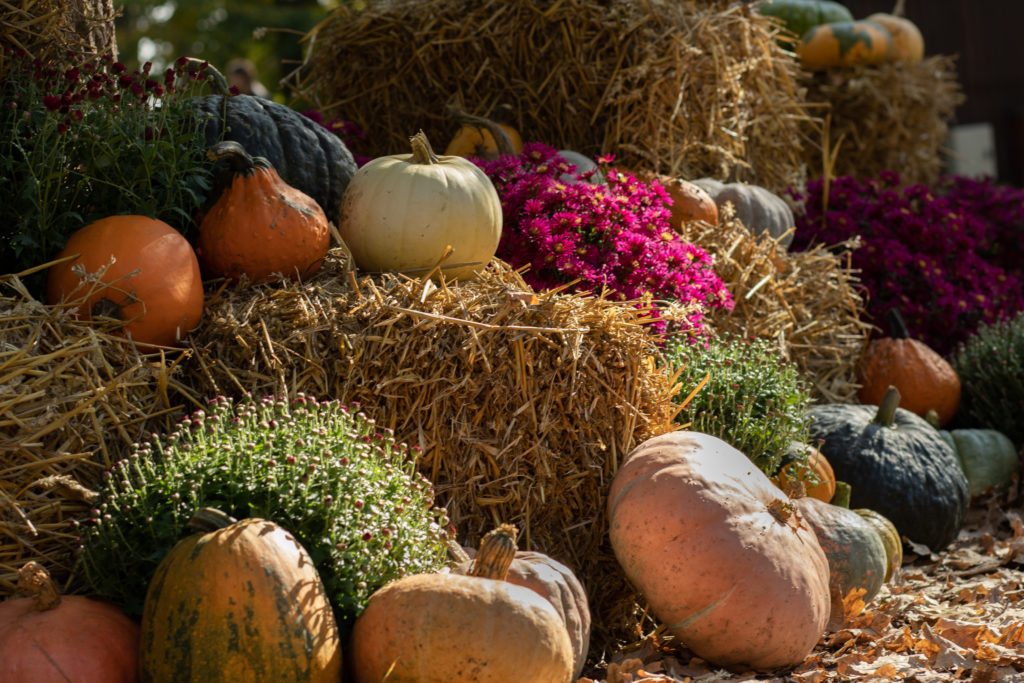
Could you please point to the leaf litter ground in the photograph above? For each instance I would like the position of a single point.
(954, 615)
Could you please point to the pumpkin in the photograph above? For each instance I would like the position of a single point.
(583, 166)
(260, 226)
(760, 211)
(690, 202)
(926, 381)
(718, 553)
(856, 555)
(890, 538)
(557, 583)
(800, 16)
(814, 473)
(304, 153)
(907, 41)
(458, 628)
(896, 463)
(50, 638)
(477, 141)
(150, 278)
(988, 457)
(238, 601)
(401, 213)
(844, 43)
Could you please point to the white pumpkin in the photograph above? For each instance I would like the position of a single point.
(401, 212)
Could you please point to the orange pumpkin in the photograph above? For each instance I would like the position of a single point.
(815, 466)
(260, 226)
(48, 638)
(690, 202)
(477, 141)
(718, 553)
(150, 278)
(907, 41)
(455, 628)
(925, 380)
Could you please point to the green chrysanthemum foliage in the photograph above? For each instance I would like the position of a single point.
(990, 364)
(754, 399)
(321, 470)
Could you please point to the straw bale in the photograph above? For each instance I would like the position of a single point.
(889, 117)
(49, 29)
(72, 401)
(808, 302)
(522, 403)
(690, 89)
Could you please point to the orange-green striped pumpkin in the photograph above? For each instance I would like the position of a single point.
(844, 43)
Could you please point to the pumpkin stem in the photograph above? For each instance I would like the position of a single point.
(841, 498)
(35, 582)
(932, 418)
(899, 9)
(209, 519)
(496, 552)
(422, 153)
(897, 328)
(238, 160)
(886, 414)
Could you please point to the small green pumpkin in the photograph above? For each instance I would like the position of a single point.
(855, 552)
(760, 211)
(896, 463)
(988, 457)
(890, 539)
(800, 16)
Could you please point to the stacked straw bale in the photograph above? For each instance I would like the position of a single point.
(892, 117)
(50, 29)
(73, 399)
(522, 403)
(690, 89)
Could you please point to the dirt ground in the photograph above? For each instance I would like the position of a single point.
(957, 615)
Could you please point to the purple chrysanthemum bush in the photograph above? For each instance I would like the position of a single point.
(613, 238)
(949, 257)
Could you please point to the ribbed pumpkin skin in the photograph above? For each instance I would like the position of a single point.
(398, 215)
(856, 555)
(988, 457)
(907, 472)
(260, 226)
(80, 640)
(450, 628)
(692, 529)
(162, 301)
(890, 539)
(926, 381)
(844, 43)
(760, 211)
(556, 582)
(243, 603)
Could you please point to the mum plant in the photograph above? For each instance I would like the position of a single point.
(592, 238)
(933, 256)
(85, 142)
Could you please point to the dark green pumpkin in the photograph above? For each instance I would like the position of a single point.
(988, 457)
(896, 463)
(856, 555)
(305, 154)
(800, 16)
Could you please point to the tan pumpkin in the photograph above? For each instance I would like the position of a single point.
(260, 226)
(238, 601)
(925, 380)
(401, 213)
(49, 638)
(455, 628)
(907, 41)
(150, 278)
(718, 553)
(556, 582)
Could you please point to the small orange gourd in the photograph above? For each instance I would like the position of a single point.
(260, 226)
(925, 380)
(148, 277)
(50, 638)
(907, 41)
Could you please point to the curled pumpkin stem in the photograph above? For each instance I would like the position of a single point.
(422, 152)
